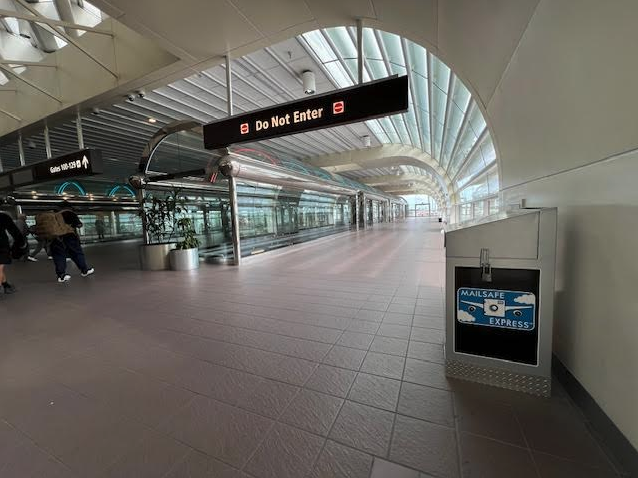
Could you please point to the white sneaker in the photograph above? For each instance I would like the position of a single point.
(32, 259)
(88, 272)
(65, 278)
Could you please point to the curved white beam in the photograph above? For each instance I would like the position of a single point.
(379, 157)
(393, 180)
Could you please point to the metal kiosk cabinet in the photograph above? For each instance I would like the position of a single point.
(500, 300)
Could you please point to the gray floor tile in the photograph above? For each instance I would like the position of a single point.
(403, 300)
(375, 391)
(434, 336)
(426, 373)
(432, 311)
(486, 458)
(133, 394)
(274, 319)
(407, 291)
(155, 456)
(286, 452)
(488, 419)
(220, 430)
(355, 340)
(364, 428)
(331, 380)
(363, 326)
(292, 370)
(390, 366)
(430, 301)
(554, 467)
(387, 345)
(425, 446)
(269, 398)
(19, 456)
(339, 461)
(398, 319)
(394, 330)
(374, 314)
(228, 387)
(427, 403)
(426, 351)
(345, 357)
(102, 444)
(387, 469)
(560, 431)
(401, 308)
(375, 306)
(427, 322)
(84, 434)
(312, 411)
(199, 465)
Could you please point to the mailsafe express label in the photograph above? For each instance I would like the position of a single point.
(496, 308)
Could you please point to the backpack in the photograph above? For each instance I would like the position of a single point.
(51, 225)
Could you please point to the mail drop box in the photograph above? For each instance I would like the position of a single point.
(500, 300)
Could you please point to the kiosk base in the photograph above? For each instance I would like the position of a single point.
(532, 384)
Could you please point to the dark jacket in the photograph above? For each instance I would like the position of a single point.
(7, 226)
(72, 219)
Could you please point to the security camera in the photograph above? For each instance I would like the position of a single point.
(141, 93)
(95, 110)
(130, 97)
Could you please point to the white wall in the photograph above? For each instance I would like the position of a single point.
(596, 316)
(567, 100)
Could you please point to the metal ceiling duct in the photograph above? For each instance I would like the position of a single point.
(248, 169)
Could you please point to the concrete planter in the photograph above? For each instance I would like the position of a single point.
(155, 257)
(184, 259)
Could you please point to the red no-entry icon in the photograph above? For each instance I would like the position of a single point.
(243, 129)
(338, 107)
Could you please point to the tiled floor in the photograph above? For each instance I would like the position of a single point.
(321, 360)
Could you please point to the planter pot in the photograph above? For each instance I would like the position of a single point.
(154, 257)
(184, 259)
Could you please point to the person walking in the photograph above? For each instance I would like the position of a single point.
(43, 244)
(68, 244)
(100, 227)
(21, 224)
(7, 227)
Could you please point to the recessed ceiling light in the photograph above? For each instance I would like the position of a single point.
(152, 120)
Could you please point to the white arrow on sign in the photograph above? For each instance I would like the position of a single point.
(85, 163)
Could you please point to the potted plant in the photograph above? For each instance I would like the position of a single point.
(159, 219)
(185, 256)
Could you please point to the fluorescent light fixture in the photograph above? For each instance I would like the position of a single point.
(152, 120)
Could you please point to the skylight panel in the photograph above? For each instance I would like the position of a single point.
(343, 42)
(320, 46)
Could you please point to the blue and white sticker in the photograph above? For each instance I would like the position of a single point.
(496, 308)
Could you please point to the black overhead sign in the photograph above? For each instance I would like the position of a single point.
(349, 105)
(85, 162)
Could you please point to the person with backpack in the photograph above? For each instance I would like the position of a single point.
(7, 227)
(60, 228)
(43, 244)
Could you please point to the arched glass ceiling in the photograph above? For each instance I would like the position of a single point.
(271, 76)
(443, 119)
(26, 36)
